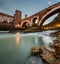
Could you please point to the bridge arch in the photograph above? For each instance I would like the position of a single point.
(25, 23)
(49, 14)
(35, 20)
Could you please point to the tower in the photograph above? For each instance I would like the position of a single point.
(17, 18)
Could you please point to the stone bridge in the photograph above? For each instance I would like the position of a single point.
(40, 17)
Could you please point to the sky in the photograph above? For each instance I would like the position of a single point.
(28, 7)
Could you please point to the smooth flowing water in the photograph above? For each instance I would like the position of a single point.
(15, 48)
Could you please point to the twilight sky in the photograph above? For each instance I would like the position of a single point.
(28, 7)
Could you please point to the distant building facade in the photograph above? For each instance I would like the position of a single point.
(8, 20)
(5, 19)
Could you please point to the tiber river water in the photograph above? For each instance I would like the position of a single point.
(15, 48)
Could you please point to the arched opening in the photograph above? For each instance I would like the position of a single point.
(48, 15)
(52, 22)
(25, 25)
(35, 21)
(50, 19)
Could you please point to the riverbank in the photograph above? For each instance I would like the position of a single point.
(50, 54)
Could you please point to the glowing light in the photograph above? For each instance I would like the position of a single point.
(17, 33)
(36, 21)
(58, 25)
(46, 28)
(17, 25)
(17, 39)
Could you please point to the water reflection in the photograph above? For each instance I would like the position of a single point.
(36, 41)
(17, 39)
(15, 48)
(18, 33)
(34, 60)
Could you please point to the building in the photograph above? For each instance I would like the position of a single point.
(6, 19)
(17, 19)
